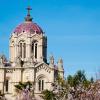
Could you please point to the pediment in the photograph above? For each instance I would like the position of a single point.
(22, 35)
(36, 36)
(43, 66)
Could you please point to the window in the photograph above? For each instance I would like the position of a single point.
(22, 49)
(32, 49)
(36, 50)
(41, 85)
(7, 83)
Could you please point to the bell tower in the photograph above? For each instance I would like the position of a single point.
(28, 42)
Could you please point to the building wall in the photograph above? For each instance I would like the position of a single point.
(47, 74)
(28, 75)
(28, 39)
(29, 71)
(1, 78)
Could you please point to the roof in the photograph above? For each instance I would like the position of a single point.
(28, 27)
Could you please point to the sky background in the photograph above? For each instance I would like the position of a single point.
(72, 28)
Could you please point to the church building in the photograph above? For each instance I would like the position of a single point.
(28, 59)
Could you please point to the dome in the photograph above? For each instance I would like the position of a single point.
(28, 27)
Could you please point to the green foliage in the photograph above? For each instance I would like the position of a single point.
(60, 81)
(28, 84)
(22, 86)
(86, 83)
(70, 80)
(81, 76)
(18, 87)
(48, 95)
(77, 79)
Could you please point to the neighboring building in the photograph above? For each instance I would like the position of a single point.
(28, 59)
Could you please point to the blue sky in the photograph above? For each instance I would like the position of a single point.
(72, 27)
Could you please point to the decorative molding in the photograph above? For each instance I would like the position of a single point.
(43, 66)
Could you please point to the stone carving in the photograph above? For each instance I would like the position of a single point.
(3, 59)
(18, 59)
(32, 58)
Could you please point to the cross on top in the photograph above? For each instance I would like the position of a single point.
(28, 17)
(29, 9)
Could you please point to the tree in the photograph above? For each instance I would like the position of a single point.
(24, 85)
(78, 79)
(48, 95)
(24, 91)
(81, 76)
(86, 84)
(70, 80)
(92, 80)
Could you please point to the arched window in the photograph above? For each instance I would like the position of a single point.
(41, 85)
(22, 49)
(34, 48)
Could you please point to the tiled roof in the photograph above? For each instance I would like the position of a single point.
(28, 27)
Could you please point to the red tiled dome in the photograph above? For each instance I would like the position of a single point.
(28, 27)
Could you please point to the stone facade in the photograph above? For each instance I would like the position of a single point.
(28, 59)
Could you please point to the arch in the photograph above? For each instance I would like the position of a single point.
(40, 76)
(41, 82)
(22, 48)
(34, 47)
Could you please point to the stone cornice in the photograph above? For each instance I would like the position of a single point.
(11, 68)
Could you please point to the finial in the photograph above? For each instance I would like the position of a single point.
(51, 59)
(60, 64)
(29, 9)
(28, 17)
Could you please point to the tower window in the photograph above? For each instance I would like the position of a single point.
(24, 50)
(35, 50)
(32, 49)
(39, 85)
(21, 50)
